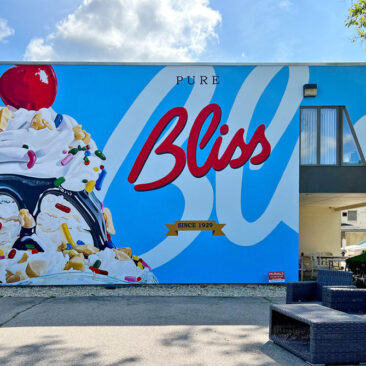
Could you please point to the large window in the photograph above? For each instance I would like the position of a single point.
(327, 137)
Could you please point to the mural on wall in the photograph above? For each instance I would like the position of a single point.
(147, 174)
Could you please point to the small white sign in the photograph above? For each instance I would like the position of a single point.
(274, 277)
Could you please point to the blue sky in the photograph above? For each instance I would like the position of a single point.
(175, 30)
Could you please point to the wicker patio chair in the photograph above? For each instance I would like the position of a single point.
(312, 291)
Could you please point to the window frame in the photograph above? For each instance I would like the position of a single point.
(339, 136)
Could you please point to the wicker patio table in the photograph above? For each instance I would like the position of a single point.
(350, 300)
(319, 334)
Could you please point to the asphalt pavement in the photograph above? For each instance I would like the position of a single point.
(139, 330)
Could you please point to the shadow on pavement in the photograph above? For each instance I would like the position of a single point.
(138, 330)
(53, 350)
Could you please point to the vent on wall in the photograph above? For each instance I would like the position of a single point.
(352, 215)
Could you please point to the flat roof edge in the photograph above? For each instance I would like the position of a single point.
(184, 63)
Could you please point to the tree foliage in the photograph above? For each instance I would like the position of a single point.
(357, 18)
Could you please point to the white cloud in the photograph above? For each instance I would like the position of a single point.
(38, 50)
(5, 30)
(130, 30)
(285, 4)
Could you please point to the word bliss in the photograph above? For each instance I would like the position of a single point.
(214, 160)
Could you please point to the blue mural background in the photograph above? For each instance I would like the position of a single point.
(98, 96)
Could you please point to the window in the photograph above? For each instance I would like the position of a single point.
(352, 215)
(308, 136)
(351, 155)
(344, 214)
(327, 137)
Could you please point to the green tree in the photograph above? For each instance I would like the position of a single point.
(357, 18)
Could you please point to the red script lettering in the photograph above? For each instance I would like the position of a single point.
(194, 145)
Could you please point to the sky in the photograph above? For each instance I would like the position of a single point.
(243, 31)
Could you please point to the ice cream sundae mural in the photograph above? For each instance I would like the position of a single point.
(135, 174)
(53, 229)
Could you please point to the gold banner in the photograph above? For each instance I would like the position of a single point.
(198, 225)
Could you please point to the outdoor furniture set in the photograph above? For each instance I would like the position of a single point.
(315, 323)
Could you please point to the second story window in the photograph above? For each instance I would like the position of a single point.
(327, 137)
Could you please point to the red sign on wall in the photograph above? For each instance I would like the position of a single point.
(274, 277)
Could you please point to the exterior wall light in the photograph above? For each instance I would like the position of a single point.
(310, 90)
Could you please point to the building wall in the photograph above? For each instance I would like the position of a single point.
(142, 186)
(354, 238)
(320, 230)
(361, 217)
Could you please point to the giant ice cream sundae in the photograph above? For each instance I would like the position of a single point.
(53, 229)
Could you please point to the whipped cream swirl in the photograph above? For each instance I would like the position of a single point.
(49, 145)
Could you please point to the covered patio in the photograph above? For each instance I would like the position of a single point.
(328, 233)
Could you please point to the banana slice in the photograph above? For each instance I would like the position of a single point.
(86, 250)
(78, 132)
(126, 250)
(76, 262)
(26, 219)
(36, 268)
(24, 258)
(5, 115)
(87, 138)
(108, 220)
(81, 134)
(71, 252)
(121, 255)
(39, 123)
(16, 277)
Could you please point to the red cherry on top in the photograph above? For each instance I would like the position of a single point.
(29, 86)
